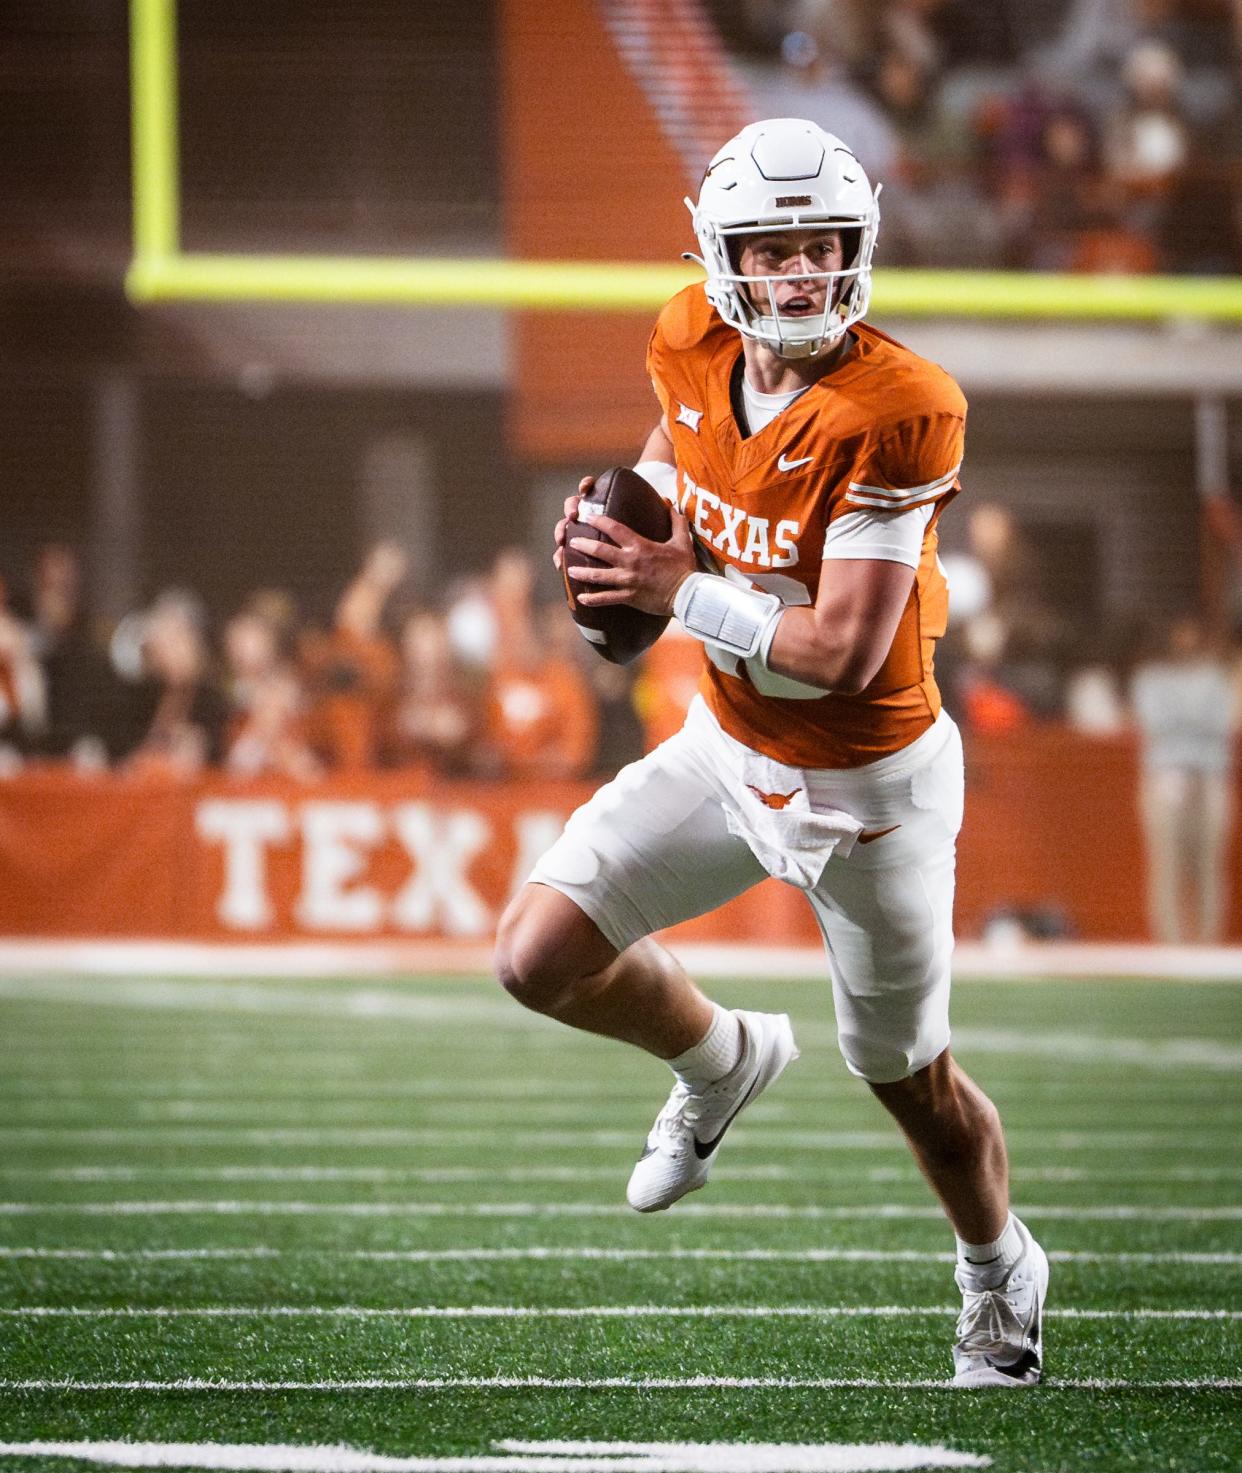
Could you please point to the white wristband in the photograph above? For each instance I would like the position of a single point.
(661, 475)
(739, 619)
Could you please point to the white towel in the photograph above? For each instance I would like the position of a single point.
(769, 808)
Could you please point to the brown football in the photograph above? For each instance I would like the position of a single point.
(619, 633)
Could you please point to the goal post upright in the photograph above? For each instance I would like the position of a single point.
(153, 123)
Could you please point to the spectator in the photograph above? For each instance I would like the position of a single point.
(1005, 650)
(613, 690)
(541, 717)
(351, 672)
(932, 186)
(1184, 709)
(436, 715)
(83, 693)
(267, 729)
(1114, 149)
(484, 612)
(23, 693)
(178, 712)
(1147, 140)
(1067, 204)
(812, 83)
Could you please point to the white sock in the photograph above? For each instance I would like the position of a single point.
(714, 1055)
(989, 1263)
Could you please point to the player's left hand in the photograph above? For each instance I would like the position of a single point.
(644, 574)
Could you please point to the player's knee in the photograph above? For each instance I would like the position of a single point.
(534, 962)
(891, 1057)
(522, 963)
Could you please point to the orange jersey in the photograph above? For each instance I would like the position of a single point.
(883, 432)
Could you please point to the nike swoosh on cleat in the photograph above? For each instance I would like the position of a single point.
(703, 1149)
(647, 1151)
(1028, 1361)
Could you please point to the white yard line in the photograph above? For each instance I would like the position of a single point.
(566, 1312)
(379, 1174)
(200, 1085)
(1085, 1048)
(892, 1210)
(494, 1090)
(518, 1174)
(746, 1137)
(346, 1000)
(609, 1383)
(590, 1255)
(516, 1115)
(510, 1455)
(163, 959)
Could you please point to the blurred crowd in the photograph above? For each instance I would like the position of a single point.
(483, 684)
(1053, 135)
(489, 684)
(486, 682)
(1022, 651)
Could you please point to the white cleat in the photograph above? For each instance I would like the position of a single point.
(1000, 1331)
(682, 1144)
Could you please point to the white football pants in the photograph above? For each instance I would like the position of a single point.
(653, 847)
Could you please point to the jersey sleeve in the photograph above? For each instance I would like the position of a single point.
(914, 463)
(881, 536)
(657, 349)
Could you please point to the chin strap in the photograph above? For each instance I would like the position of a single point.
(740, 619)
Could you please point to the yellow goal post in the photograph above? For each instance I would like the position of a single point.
(161, 271)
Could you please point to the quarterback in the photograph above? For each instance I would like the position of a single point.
(808, 459)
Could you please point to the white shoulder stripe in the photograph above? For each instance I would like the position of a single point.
(902, 492)
(906, 503)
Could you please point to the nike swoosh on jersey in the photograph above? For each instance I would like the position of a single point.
(792, 465)
(703, 1149)
(868, 838)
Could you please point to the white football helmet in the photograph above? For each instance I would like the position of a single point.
(785, 173)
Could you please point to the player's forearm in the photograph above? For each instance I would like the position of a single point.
(839, 645)
(841, 658)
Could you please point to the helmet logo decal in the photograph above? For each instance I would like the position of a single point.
(793, 201)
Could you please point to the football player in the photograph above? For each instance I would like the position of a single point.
(808, 459)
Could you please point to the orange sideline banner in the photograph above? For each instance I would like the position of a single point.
(1050, 822)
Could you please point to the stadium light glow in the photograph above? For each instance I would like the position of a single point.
(161, 272)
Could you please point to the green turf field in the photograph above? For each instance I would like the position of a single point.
(391, 1216)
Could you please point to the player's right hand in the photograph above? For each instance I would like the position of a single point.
(571, 513)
